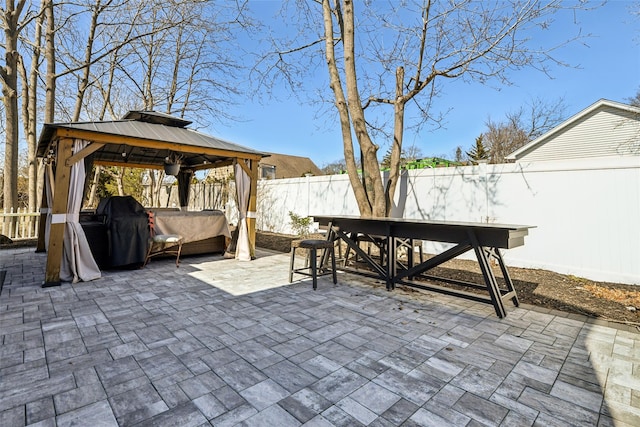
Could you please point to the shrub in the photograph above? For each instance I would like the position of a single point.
(300, 224)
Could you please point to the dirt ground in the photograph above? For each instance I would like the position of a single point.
(607, 301)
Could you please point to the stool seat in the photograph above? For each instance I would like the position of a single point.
(313, 245)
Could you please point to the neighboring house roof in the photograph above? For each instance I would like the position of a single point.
(604, 129)
(291, 166)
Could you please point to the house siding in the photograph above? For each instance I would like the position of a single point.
(605, 132)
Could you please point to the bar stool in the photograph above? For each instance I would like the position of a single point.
(311, 268)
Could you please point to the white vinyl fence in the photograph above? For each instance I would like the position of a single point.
(586, 213)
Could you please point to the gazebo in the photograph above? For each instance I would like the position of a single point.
(141, 139)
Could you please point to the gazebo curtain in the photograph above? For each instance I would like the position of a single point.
(243, 187)
(48, 190)
(77, 260)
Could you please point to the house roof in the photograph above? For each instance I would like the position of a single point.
(145, 139)
(541, 140)
(291, 166)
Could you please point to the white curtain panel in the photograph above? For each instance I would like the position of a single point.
(48, 189)
(243, 187)
(77, 261)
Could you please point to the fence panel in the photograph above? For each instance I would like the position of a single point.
(585, 212)
(19, 225)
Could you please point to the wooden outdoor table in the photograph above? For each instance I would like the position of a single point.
(486, 240)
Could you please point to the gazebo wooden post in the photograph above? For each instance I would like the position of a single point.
(58, 211)
(253, 203)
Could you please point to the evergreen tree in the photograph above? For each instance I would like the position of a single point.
(478, 151)
(458, 157)
(386, 160)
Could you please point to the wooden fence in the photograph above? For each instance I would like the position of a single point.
(19, 225)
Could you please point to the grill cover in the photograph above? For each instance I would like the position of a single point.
(127, 230)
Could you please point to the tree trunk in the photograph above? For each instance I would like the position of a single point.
(9, 74)
(370, 192)
(119, 180)
(396, 148)
(372, 179)
(25, 128)
(50, 53)
(94, 186)
(30, 110)
(364, 205)
(49, 107)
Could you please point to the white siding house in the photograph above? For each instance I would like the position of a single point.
(606, 129)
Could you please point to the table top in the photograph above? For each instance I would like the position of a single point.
(488, 234)
(326, 218)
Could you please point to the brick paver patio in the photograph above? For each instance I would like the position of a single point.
(222, 342)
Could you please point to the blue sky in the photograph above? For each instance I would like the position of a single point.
(608, 66)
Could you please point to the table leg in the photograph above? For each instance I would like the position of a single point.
(434, 261)
(511, 291)
(391, 262)
(489, 277)
(380, 270)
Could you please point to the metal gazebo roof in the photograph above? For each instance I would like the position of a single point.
(145, 139)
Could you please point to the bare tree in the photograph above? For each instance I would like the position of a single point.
(30, 103)
(191, 69)
(88, 49)
(522, 126)
(397, 55)
(90, 35)
(503, 138)
(10, 20)
(334, 168)
(410, 154)
(50, 55)
(178, 62)
(184, 71)
(634, 100)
